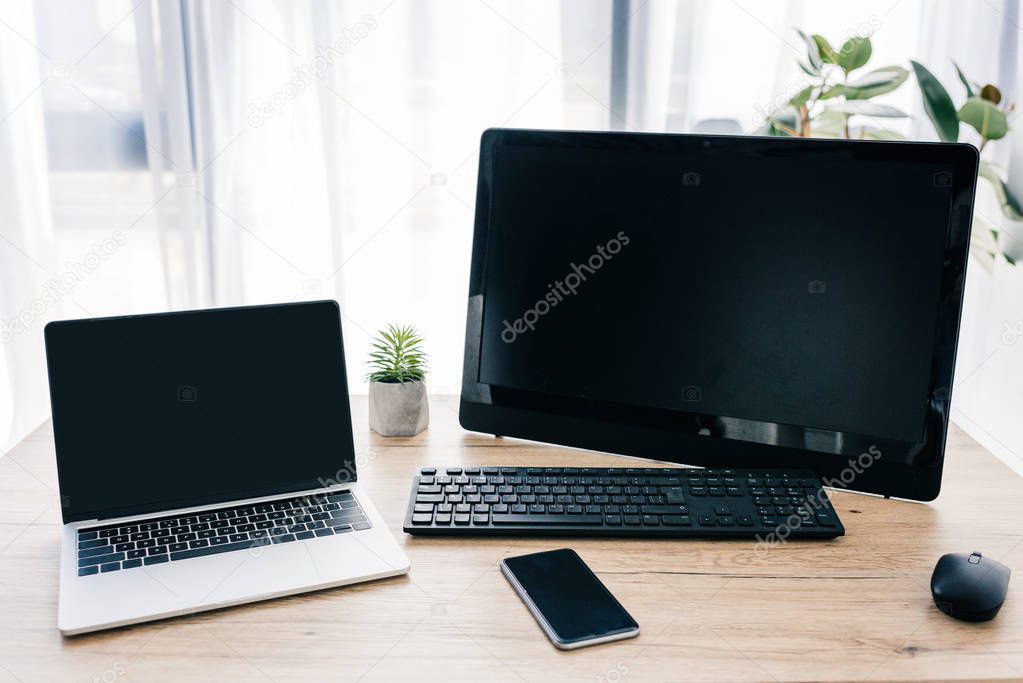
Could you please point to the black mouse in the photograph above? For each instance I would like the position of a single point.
(969, 587)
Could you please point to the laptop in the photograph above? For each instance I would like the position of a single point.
(205, 459)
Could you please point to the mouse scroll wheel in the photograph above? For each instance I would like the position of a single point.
(975, 557)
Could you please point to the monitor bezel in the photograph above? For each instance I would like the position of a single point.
(71, 513)
(903, 469)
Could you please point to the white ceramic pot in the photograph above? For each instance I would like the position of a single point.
(398, 408)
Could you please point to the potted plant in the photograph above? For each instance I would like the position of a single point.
(398, 403)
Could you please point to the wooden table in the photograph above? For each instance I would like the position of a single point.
(851, 609)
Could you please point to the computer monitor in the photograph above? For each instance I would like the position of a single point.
(721, 301)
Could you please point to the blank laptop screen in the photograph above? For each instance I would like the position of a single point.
(161, 411)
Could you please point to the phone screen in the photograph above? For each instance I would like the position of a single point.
(563, 592)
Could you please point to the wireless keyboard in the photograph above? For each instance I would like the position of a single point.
(669, 502)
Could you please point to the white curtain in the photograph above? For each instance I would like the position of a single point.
(31, 289)
(330, 147)
(260, 151)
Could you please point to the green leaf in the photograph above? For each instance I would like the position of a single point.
(985, 117)
(937, 104)
(829, 124)
(864, 108)
(984, 243)
(397, 355)
(854, 53)
(813, 55)
(801, 97)
(991, 93)
(1009, 205)
(872, 84)
(963, 80)
(824, 49)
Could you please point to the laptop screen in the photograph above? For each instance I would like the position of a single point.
(164, 411)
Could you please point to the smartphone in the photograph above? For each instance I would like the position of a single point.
(567, 599)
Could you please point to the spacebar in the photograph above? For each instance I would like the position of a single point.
(547, 520)
(214, 549)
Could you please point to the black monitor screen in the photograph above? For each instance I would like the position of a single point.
(776, 287)
(196, 407)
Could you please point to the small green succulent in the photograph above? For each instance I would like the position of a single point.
(397, 355)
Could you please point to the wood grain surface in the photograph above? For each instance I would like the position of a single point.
(856, 608)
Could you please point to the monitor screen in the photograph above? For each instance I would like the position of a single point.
(159, 411)
(770, 290)
(791, 293)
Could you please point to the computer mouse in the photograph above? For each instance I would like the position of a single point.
(969, 587)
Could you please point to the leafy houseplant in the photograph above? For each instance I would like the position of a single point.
(834, 100)
(398, 403)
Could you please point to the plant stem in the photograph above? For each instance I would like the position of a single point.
(778, 124)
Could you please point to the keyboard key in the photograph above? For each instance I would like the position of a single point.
(95, 543)
(825, 519)
(651, 520)
(676, 520)
(131, 564)
(664, 510)
(156, 559)
(85, 571)
(327, 531)
(212, 549)
(100, 559)
(95, 552)
(567, 520)
(286, 538)
(110, 567)
(87, 535)
(434, 498)
(305, 535)
(673, 494)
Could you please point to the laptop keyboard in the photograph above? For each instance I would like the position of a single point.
(223, 530)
